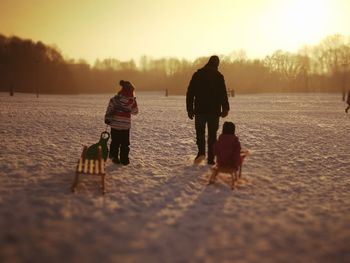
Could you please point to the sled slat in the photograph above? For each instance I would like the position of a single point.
(102, 167)
(97, 169)
(86, 164)
(91, 166)
(80, 165)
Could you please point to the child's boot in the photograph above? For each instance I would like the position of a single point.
(124, 155)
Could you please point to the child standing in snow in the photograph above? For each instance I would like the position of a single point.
(348, 102)
(118, 116)
(227, 150)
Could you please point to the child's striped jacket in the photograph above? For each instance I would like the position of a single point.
(119, 111)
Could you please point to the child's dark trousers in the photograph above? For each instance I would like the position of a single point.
(119, 147)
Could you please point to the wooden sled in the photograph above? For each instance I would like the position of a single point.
(222, 169)
(90, 167)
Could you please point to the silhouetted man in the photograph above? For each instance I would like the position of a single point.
(206, 100)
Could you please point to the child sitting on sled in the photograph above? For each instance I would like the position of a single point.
(118, 116)
(227, 151)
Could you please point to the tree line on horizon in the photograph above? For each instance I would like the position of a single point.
(33, 67)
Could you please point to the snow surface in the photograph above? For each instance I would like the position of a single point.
(294, 208)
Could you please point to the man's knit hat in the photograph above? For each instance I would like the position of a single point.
(213, 62)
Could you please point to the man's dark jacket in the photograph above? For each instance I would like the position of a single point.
(206, 93)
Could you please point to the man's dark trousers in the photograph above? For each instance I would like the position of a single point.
(213, 125)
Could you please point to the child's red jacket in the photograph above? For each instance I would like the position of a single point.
(227, 150)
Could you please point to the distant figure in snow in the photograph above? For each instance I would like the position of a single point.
(12, 90)
(348, 102)
(118, 116)
(227, 151)
(206, 101)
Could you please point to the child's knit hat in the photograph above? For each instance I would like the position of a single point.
(228, 128)
(126, 85)
(127, 88)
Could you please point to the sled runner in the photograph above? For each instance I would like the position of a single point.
(92, 161)
(199, 160)
(234, 177)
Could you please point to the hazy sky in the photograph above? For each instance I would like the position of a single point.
(127, 29)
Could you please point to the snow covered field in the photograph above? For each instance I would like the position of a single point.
(296, 207)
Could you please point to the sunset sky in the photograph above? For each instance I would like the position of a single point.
(128, 29)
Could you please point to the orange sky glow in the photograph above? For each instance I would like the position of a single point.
(129, 29)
